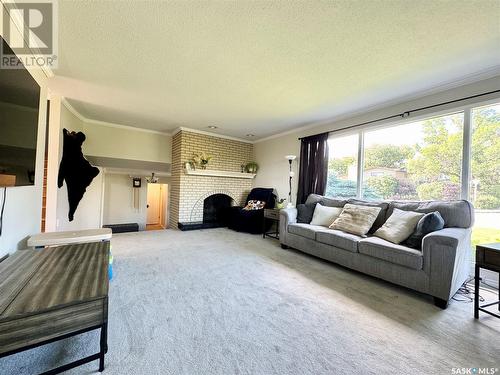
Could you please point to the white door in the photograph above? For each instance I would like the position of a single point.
(153, 206)
(164, 205)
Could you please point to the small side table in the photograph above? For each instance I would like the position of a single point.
(487, 257)
(274, 215)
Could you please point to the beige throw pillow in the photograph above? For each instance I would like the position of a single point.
(356, 219)
(324, 215)
(400, 225)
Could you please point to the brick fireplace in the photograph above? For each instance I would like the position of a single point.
(222, 177)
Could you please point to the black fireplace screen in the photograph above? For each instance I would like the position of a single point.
(216, 208)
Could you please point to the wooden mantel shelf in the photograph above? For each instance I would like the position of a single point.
(212, 173)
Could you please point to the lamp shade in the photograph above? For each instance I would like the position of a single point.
(290, 157)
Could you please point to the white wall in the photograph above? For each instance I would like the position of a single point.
(125, 143)
(273, 167)
(106, 140)
(270, 153)
(118, 201)
(23, 207)
(108, 200)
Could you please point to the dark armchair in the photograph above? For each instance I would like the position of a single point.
(251, 221)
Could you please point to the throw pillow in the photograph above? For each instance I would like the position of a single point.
(305, 212)
(430, 222)
(356, 219)
(254, 205)
(324, 215)
(399, 226)
(384, 206)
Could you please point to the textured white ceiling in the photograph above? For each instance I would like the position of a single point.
(263, 67)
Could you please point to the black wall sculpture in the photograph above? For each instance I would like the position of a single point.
(75, 169)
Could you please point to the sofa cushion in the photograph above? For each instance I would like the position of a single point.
(324, 215)
(431, 222)
(458, 213)
(339, 239)
(399, 226)
(305, 230)
(329, 202)
(382, 215)
(356, 219)
(305, 212)
(385, 250)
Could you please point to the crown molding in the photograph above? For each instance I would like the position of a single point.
(203, 132)
(108, 124)
(126, 127)
(436, 89)
(72, 109)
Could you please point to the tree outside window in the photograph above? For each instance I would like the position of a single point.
(416, 161)
(485, 174)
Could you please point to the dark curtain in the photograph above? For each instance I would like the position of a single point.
(313, 170)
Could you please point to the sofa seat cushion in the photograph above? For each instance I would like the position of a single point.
(337, 238)
(305, 230)
(385, 250)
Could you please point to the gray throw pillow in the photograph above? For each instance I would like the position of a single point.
(305, 212)
(430, 222)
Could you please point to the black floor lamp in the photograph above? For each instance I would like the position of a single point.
(291, 174)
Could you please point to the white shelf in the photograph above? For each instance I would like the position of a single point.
(212, 173)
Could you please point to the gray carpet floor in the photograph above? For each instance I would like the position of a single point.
(221, 302)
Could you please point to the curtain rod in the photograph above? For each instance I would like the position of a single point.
(406, 113)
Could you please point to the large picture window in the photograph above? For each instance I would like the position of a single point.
(453, 156)
(423, 160)
(415, 161)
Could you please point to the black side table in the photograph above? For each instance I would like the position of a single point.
(273, 215)
(487, 257)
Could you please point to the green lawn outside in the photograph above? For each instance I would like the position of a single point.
(485, 235)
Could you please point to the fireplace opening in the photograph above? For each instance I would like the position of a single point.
(215, 209)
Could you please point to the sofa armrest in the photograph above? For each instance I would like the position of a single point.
(287, 216)
(446, 255)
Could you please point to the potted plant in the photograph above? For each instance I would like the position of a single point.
(201, 159)
(280, 203)
(252, 167)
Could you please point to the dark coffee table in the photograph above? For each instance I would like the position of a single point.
(487, 257)
(54, 293)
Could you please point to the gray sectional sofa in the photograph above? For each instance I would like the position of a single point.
(439, 269)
